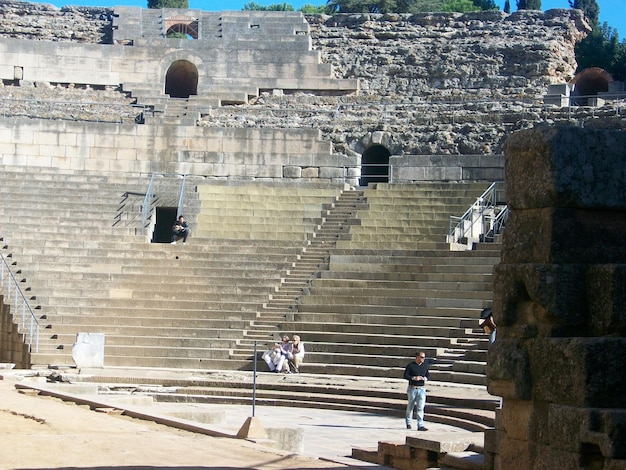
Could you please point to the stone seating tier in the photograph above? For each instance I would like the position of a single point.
(237, 290)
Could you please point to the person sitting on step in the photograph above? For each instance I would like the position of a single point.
(180, 230)
(297, 354)
(277, 357)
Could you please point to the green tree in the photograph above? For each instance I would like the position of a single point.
(419, 6)
(358, 6)
(486, 4)
(507, 7)
(602, 49)
(528, 4)
(253, 6)
(168, 4)
(590, 8)
(308, 9)
(462, 6)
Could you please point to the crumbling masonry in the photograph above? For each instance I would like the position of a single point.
(560, 303)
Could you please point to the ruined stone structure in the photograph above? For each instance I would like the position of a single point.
(259, 96)
(426, 97)
(559, 301)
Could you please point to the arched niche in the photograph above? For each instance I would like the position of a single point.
(181, 79)
(590, 82)
(375, 165)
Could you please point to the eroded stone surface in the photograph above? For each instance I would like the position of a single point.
(559, 302)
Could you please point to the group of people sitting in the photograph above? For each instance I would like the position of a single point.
(285, 355)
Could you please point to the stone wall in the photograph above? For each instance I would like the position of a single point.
(13, 350)
(129, 148)
(559, 303)
(439, 91)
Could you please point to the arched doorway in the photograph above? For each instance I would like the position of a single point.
(181, 79)
(375, 165)
(589, 82)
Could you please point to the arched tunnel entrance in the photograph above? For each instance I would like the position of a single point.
(181, 79)
(589, 82)
(375, 165)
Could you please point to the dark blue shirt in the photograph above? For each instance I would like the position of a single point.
(414, 370)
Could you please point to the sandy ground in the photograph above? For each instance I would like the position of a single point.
(39, 432)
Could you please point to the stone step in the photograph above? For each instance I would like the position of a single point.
(375, 276)
(402, 310)
(353, 286)
(162, 303)
(415, 329)
(467, 460)
(478, 300)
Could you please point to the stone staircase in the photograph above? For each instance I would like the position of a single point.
(336, 219)
(263, 259)
(368, 309)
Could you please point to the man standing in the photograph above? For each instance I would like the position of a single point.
(417, 374)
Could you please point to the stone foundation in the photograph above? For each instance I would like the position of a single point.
(559, 302)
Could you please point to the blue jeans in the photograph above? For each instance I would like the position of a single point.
(416, 396)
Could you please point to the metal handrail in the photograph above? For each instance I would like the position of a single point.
(497, 223)
(181, 196)
(20, 304)
(147, 206)
(478, 219)
(388, 175)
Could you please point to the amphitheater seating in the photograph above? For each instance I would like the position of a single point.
(261, 212)
(376, 302)
(263, 259)
(158, 305)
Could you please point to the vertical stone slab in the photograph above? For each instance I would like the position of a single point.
(560, 302)
(88, 350)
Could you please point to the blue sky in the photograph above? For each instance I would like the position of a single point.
(611, 11)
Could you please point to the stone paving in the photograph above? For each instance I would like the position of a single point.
(307, 432)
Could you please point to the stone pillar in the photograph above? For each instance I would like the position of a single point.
(559, 361)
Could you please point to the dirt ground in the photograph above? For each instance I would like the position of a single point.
(38, 432)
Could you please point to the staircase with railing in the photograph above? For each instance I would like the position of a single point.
(22, 311)
(484, 220)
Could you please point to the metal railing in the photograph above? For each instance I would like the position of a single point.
(21, 308)
(484, 219)
(146, 207)
(181, 196)
(386, 177)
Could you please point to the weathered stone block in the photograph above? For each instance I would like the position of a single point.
(548, 458)
(508, 370)
(557, 235)
(540, 300)
(514, 454)
(606, 293)
(563, 167)
(292, 172)
(331, 173)
(582, 372)
(311, 172)
(516, 419)
(599, 431)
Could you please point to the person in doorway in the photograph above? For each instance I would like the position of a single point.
(417, 374)
(180, 230)
(297, 354)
